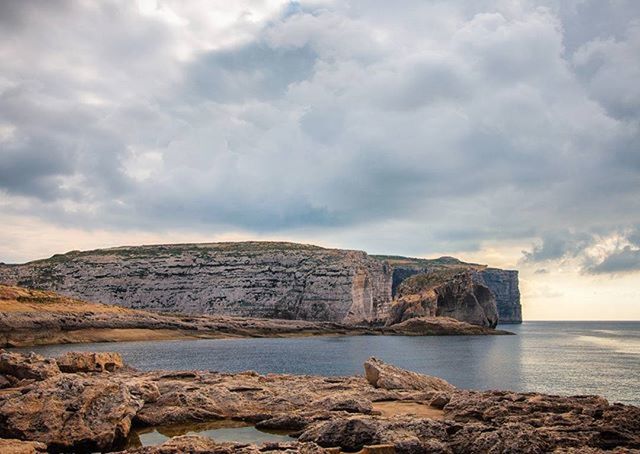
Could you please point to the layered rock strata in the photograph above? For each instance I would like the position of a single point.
(444, 294)
(79, 411)
(502, 283)
(33, 317)
(504, 286)
(250, 279)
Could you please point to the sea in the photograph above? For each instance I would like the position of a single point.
(565, 358)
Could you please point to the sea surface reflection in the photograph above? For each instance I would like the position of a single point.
(553, 357)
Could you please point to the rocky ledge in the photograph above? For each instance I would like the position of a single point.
(34, 317)
(86, 402)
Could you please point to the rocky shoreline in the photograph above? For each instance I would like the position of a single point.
(34, 317)
(87, 402)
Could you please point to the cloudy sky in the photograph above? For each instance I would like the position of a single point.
(504, 132)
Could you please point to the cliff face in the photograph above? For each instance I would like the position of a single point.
(444, 294)
(253, 279)
(504, 285)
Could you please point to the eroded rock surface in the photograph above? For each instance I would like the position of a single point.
(31, 317)
(390, 377)
(90, 362)
(502, 283)
(250, 279)
(95, 410)
(446, 293)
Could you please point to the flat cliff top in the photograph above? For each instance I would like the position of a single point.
(444, 262)
(15, 299)
(240, 247)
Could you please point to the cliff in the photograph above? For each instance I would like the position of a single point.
(252, 279)
(502, 283)
(504, 286)
(444, 294)
(35, 317)
(249, 279)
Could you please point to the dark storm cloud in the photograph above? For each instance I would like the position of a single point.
(622, 261)
(437, 125)
(558, 245)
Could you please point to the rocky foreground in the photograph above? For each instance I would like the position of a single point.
(84, 402)
(34, 317)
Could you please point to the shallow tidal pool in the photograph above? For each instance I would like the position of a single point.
(222, 431)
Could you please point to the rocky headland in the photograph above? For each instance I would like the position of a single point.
(88, 402)
(253, 279)
(35, 317)
(447, 293)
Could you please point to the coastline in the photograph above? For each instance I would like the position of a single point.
(420, 327)
(34, 317)
(84, 402)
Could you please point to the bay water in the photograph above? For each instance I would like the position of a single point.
(565, 358)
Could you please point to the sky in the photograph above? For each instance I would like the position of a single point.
(500, 132)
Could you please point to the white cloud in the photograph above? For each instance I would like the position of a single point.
(436, 126)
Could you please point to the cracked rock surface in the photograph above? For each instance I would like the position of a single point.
(95, 411)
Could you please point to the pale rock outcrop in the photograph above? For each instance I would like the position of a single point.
(502, 283)
(90, 362)
(30, 366)
(14, 446)
(444, 293)
(70, 412)
(390, 377)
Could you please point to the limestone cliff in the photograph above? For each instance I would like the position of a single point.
(249, 279)
(446, 293)
(502, 283)
(256, 279)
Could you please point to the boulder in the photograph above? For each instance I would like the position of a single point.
(344, 402)
(29, 366)
(72, 362)
(70, 412)
(385, 376)
(350, 434)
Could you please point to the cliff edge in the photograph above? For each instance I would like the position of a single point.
(250, 279)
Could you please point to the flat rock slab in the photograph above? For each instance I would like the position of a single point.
(85, 411)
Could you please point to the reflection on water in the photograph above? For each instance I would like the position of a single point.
(553, 357)
(221, 431)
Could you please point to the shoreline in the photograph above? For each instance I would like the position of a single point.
(430, 327)
(87, 402)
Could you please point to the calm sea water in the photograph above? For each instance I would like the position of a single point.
(552, 357)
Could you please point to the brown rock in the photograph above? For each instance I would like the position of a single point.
(379, 449)
(440, 400)
(30, 366)
(13, 446)
(70, 412)
(351, 434)
(445, 293)
(385, 376)
(195, 444)
(90, 362)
